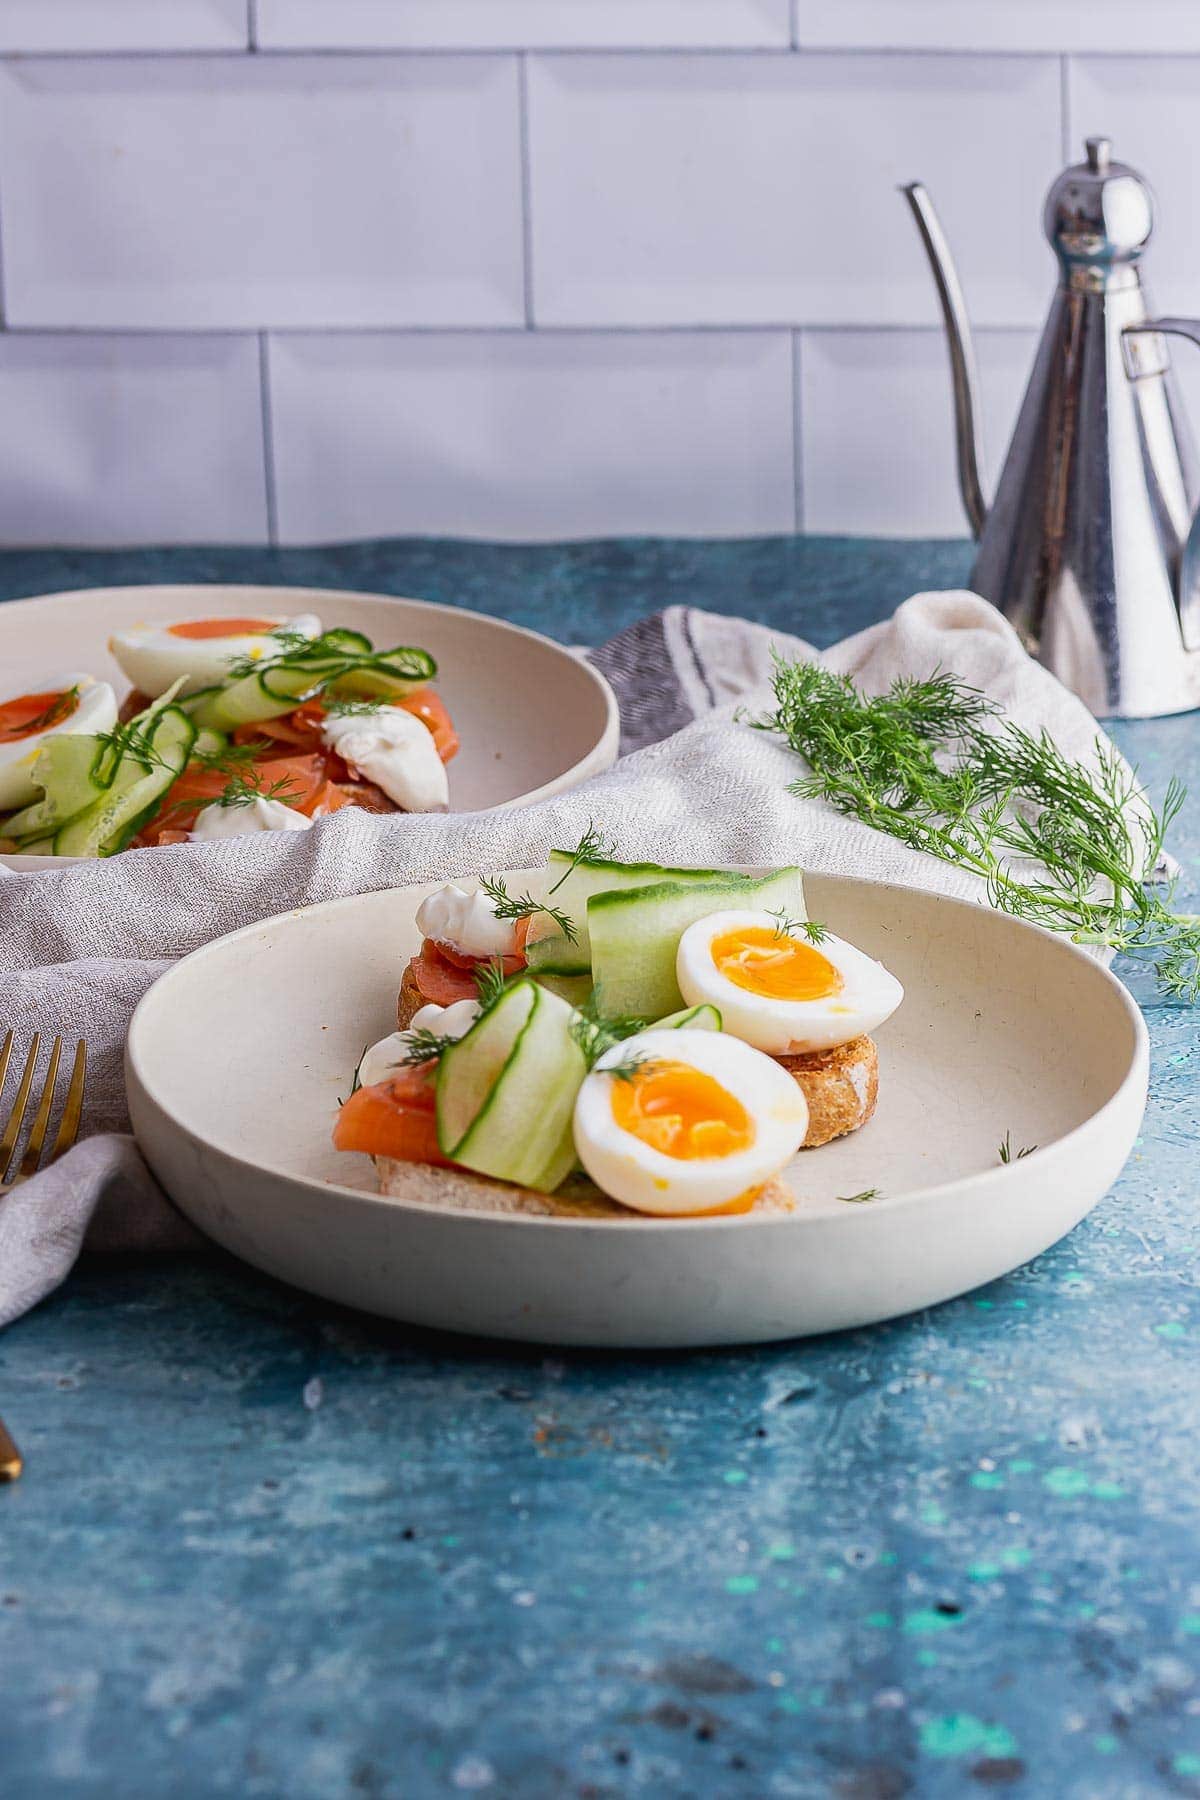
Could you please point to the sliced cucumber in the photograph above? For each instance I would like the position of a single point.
(506, 1091)
(134, 792)
(574, 989)
(209, 743)
(635, 934)
(692, 1018)
(65, 769)
(570, 885)
(341, 662)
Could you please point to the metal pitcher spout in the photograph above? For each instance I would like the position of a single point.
(961, 344)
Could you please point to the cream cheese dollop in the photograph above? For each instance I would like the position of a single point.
(396, 751)
(383, 1058)
(217, 821)
(466, 922)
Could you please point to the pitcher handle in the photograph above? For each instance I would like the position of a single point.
(1141, 361)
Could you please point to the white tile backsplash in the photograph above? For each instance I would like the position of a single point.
(532, 435)
(30, 25)
(522, 24)
(762, 189)
(878, 427)
(1065, 25)
(539, 268)
(242, 191)
(126, 440)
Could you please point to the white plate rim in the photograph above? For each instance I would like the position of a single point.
(1001, 1178)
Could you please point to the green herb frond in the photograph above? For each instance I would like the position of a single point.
(523, 906)
(594, 1035)
(490, 983)
(422, 1046)
(242, 790)
(594, 846)
(1062, 845)
(859, 1199)
(1006, 1152)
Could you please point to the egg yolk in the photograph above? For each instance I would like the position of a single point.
(768, 962)
(30, 713)
(681, 1111)
(219, 628)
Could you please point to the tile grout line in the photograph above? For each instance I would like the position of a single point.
(797, 431)
(1064, 101)
(819, 328)
(268, 431)
(526, 186)
(252, 27)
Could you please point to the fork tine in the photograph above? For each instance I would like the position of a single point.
(41, 1118)
(12, 1131)
(68, 1125)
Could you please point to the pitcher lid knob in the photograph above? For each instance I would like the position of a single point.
(1099, 211)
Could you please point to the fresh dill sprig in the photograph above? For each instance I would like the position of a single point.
(240, 790)
(230, 758)
(1006, 1152)
(1059, 844)
(629, 1067)
(351, 709)
(490, 983)
(523, 906)
(132, 739)
(594, 846)
(423, 1046)
(787, 927)
(356, 1079)
(61, 707)
(285, 645)
(859, 1199)
(593, 1035)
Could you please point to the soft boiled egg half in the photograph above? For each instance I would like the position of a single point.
(687, 1122)
(199, 652)
(66, 703)
(779, 990)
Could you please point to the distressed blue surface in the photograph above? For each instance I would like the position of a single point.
(266, 1547)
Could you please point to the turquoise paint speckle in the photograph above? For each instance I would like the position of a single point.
(987, 1479)
(1107, 1490)
(1105, 1745)
(879, 1621)
(741, 1584)
(1067, 1484)
(1021, 1465)
(887, 1558)
(1171, 1328)
(983, 1571)
(928, 1659)
(1016, 1558)
(925, 1621)
(1190, 1623)
(782, 1552)
(932, 1514)
(735, 1477)
(1186, 1763)
(961, 1734)
(788, 1703)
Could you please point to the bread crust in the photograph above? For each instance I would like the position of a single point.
(840, 1085)
(410, 999)
(577, 1198)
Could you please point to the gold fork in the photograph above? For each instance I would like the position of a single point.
(68, 1129)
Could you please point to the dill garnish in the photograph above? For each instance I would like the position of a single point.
(523, 906)
(1006, 1152)
(1058, 844)
(629, 1067)
(594, 846)
(490, 983)
(61, 707)
(242, 790)
(859, 1199)
(423, 1046)
(594, 1035)
(336, 708)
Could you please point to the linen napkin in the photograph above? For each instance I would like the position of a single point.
(79, 946)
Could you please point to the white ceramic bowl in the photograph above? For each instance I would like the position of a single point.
(533, 718)
(237, 1056)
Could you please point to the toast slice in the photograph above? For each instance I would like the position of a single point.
(578, 1198)
(841, 1085)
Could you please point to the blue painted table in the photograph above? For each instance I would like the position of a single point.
(267, 1547)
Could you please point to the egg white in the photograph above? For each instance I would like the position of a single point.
(153, 659)
(869, 993)
(96, 713)
(652, 1182)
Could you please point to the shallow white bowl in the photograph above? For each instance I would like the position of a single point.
(237, 1056)
(533, 718)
